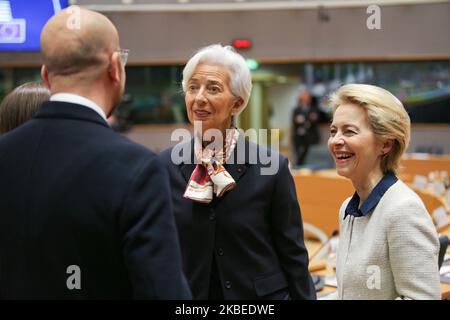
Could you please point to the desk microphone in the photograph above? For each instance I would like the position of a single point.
(333, 234)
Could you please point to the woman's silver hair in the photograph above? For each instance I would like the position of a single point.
(239, 72)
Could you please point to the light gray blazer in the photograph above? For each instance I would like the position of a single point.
(392, 253)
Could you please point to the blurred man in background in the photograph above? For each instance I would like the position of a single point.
(305, 131)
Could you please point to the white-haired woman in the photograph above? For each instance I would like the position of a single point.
(240, 230)
(388, 245)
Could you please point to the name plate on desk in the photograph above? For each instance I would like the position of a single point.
(447, 198)
(445, 273)
(438, 188)
(420, 182)
(440, 217)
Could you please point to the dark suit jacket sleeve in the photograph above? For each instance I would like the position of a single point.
(149, 239)
(288, 235)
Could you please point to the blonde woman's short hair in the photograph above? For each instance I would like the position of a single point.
(387, 117)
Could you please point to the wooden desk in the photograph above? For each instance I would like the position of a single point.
(413, 166)
(320, 196)
(317, 267)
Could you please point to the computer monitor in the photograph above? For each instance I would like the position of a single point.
(21, 22)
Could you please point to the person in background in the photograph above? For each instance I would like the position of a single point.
(388, 245)
(305, 130)
(240, 230)
(85, 212)
(21, 104)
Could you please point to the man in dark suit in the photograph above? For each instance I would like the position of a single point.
(84, 212)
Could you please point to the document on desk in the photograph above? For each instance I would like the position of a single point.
(445, 270)
(331, 282)
(445, 279)
(440, 216)
(445, 273)
(447, 257)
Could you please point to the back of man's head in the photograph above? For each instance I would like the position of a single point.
(78, 41)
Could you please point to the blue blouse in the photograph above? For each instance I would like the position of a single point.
(374, 197)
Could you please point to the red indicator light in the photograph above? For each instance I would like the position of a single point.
(242, 44)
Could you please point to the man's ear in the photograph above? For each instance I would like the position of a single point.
(114, 67)
(387, 146)
(44, 76)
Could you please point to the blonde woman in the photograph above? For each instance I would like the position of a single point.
(388, 246)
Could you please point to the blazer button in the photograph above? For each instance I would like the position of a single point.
(212, 217)
(228, 284)
(220, 251)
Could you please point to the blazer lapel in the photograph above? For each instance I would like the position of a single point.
(236, 170)
(186, 170)
(239, 166)
(240, 158)
(188, 165)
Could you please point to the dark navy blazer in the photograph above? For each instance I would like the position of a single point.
(254, 231)
(75, 193)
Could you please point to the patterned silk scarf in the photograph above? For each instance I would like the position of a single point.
(210, 176)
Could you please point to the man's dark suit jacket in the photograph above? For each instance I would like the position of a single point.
(74, 193)
(254, 231)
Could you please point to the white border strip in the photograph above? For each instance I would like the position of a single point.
(250, 6)
(56, 6)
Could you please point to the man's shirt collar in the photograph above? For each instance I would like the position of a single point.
(73, 98)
